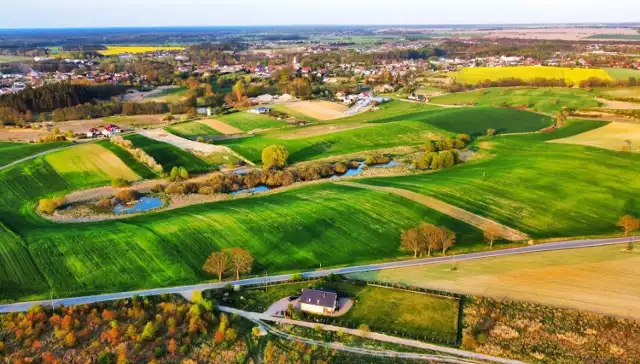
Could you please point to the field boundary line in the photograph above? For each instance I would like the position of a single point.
(368, 335)
(480, 222)
(35, 156)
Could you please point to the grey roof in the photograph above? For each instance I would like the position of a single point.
(319, 297)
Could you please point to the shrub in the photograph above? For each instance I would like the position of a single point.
(274, 156)
(200, 139)
(168, 117)
(466, 138)
(377, 159)
(105, 204)
(48, 206)
(119, 183)
(446, 159)
(175, 189)
(340, 168)
(296, 277)
(128, 195)
(206, 190)
(491, 132)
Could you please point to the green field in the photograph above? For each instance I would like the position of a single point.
(622, 74)
(300, 229)
(10, 59)
(393, 130)
(615, 36)
(392, 310)
(89, 165)
(379, 308)
(11, 152)
(192, 130)
(247, 121)
(542, 189)
(136, 166)
(545, 100)
(19, 276)
(572, 76)
(169, 156)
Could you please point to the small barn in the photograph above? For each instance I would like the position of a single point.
(318, 301)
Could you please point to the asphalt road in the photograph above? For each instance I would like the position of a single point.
(187, 290)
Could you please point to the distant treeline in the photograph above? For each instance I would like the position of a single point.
(58, 95)
(84, 48)
(542, 82)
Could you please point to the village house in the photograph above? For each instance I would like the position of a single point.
(93, 133)
(318, 301)
(111, 130)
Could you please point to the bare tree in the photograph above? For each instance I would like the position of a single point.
(628, 224)
(217, 263)
(491, 234)
(429, 235)
(447, 239)
(241, 261)
(411, 241)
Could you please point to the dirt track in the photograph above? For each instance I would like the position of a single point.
(220, 126)
(450, 210)
(321, 110)
(321, 130)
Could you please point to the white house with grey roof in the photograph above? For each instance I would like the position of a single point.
(318, 301)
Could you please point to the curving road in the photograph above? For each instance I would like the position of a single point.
(187, 290)
(34, 156)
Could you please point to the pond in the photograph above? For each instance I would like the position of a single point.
(144, 204)
(388, 165)
(251, 191)
(351, 172)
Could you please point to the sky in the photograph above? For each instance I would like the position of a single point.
(134, 13)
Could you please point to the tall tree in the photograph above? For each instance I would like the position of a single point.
(429, 237)
(410, 240)
(628, 224)
(238, 91)
(241, 261)
(447, 239)
(217, 263)
(491, 234)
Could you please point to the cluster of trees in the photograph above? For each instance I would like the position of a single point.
(58, 95)
(236, 260)
(163, 329)
(425, 238)
(438, 160)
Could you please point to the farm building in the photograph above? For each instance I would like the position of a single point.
(93, 133)
(318, 301)
(111, 130)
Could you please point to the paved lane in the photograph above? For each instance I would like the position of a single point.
(186, 290)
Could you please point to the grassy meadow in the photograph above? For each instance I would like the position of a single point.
(546, 100)
(169, 156)
(299, 229)
(116, 50)
(392, 310)
(89, 165)
(577, 278)
(411, 129)
(622, 74)
(247, 121)
(192, 130)
(11, 152)
(542, 189)
(572, 76)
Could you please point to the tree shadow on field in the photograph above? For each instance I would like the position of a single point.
(631, 207)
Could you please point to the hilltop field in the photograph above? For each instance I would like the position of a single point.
(116, 50)
(511, 178)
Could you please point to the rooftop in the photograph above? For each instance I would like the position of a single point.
(319, 297)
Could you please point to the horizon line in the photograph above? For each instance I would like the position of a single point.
(604, 23)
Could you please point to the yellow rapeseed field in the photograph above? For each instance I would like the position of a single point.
(112, 51)
(572, 76)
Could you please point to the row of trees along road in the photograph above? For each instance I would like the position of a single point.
(427, 237)
(237, 260)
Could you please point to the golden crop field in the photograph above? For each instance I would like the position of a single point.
(112, 51)
(601, 279)
(572, 76)
(613, 136)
